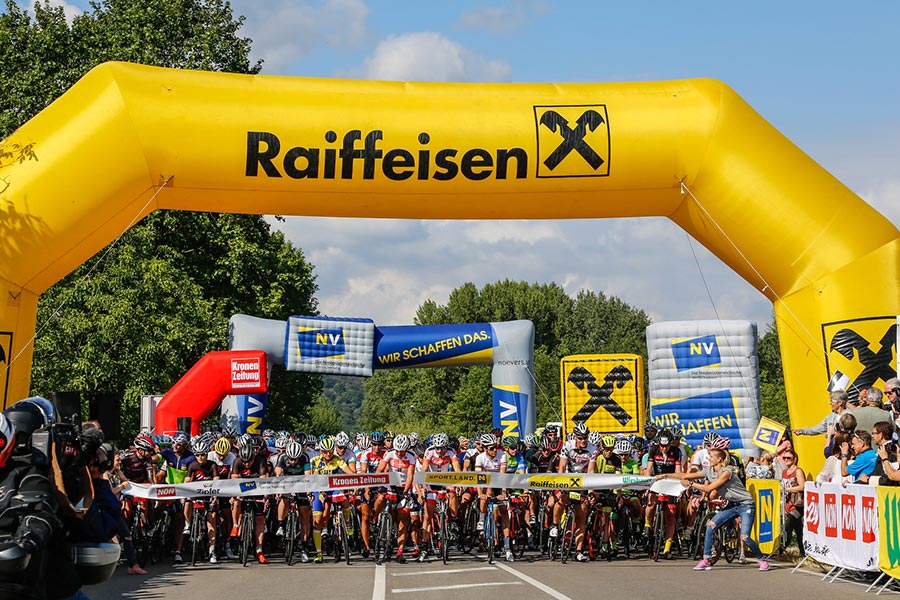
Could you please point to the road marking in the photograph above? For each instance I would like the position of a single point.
(380, 583)
(530, 580)
(458, 586)
(441, 572)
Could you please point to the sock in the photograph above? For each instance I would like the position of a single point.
(347, 520)
(647, 523)
(667, 546)
(317, 540)
(259, 549)
(506, 543)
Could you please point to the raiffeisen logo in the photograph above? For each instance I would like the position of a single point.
(359, 156)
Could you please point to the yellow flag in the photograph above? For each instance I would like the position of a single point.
(768, 434)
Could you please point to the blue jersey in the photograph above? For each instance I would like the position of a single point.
(515, 463)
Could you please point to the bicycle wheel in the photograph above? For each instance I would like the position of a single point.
(444, 537)
(730, 541)
(490, 534)
(520, 537)
(469, 535)
(140, 538)
(195, 534)
(700, 525)
(383, 537)
(291, 533)
(247, 523)
(568, 538)
(659, 531)
(341, 540)
(160, 537)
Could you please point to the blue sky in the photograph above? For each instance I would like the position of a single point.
(825, 73)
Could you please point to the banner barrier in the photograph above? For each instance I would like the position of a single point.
(264, 486)
(889, 531)
(841, 525)
(551, 481)
(767, 523)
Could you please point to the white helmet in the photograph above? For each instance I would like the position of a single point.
(401, 443)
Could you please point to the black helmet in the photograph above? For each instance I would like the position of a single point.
(664, 437)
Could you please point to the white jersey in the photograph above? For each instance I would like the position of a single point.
(437, 462)
(214, 457)
(491, 465)
(701, 459)
(348, 457)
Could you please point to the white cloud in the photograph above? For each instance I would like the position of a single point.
(430, 56)
(286, 31)
(70, 10)
(494, 19)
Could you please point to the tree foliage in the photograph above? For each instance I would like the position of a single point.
(137, 316)
(458, 400)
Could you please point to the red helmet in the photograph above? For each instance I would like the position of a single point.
(722, 443)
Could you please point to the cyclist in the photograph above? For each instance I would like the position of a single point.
(295, 462)
(700, 460)
(223, 458)
(723, 478)
(664, 458)
(203, 469)
(327, 463)
(687, 452)
(399, 460)
(492, 461)
(437, 458)
(175, 461)
(576, 459)
(138, 466)
(369, 458)
(250, 463)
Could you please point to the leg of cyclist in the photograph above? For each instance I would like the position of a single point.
(281, 512)
(415, 524)
(501, 516)
(211, 518)
(669, 521)
(559, 507)
(180, 526)
(648, 513)
(319, 508)
(428, 519)
(259, 529)
(580, 520)
(402, 529)
(235, 516)
(365, 514)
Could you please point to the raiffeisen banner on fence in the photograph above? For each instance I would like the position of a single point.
(704, 376)
(336, 346)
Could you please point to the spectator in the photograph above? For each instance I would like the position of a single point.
(863, 463)
(786, 445)
(889, 459)
(892, 399)
(792, 482)
(871, 412)
(845, 424)
(882, 433)
(838, 401)
(831, 470)
(761, 468)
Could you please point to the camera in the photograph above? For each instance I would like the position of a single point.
(890, 447)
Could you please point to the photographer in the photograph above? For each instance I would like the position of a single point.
(27, 520)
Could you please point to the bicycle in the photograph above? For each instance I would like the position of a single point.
(726, 540)
(160, 538)
(384, 529)
(291, 530)
(337, 530)
(567, 527)
(246, 530)
(490, 529)
(468, 536)
(518, 528)
(197, 536)
(440, 529)
(141, 531)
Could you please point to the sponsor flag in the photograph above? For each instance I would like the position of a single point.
(605, 391)
(889, 529)
(768, 434)
(767, 523)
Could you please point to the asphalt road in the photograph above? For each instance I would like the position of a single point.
(528, 578)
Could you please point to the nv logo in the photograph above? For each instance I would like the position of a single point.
(601, 395)
(481, 479)
(573, 141)
(866, 352)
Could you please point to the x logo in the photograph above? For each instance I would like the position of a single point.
(877, 365)
(573, 138)
(601, 396)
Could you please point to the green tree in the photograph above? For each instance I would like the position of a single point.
(138, 315)
(324, 417)
(773, 397)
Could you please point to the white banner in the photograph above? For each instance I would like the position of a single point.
(551, 481)
(840, 525)
(262, 487)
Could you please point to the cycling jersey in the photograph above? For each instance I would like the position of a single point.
(631, 466)
(348, 457)
(398, 462)
(135, 468)
(577, 460)
(515, 463)
(198, 472)
(664, 462)
(543, 463)
(492, 465)
(368, 461)
(300, 467)
(322, 467)
(255, 468)
(222, 465)
(611, 464)
(701, 459)
(176, 461)
(434, 462)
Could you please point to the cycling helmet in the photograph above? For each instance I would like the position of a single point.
(529, 440)
(487, 439)
(363, 443)
(638, 443)
(401, 443)
(580, 429)
(223, 446)
(650, 429)
(268, 433)
(608, 441)
(678, 431)
(413, 438)
(141, 442)
(623, 447)
(342, 440)
(229, 432)
(664, 437)
(8, 439)
(294, 450)
(200, 446)
(163, 441)
(281, 443)
(594, 438)
(419, 449)
(244, 440)
(180, 438)
(300, 436)
(722, 443)
(545, 443)
(709, 438)
(245, 452)
(510, 441)
(551, 428)
(440, 440)
(388, 434)
(326, 444)
(376, 438)
(311, 440)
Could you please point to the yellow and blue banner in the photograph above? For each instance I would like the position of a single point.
(768, 434)
(889, 530)
(767, 523)
(604, 391)
(403, 346)
(714, 411)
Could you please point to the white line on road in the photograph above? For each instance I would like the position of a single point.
(458, 586)
(530, 580)
(441, 572)
(380, 583)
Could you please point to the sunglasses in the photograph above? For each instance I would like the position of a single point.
(788, 458)
(490, 447)
(580, 439)
(891, 391)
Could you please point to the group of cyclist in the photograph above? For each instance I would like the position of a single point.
(227, 455)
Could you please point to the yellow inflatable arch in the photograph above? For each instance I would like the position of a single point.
(128, 139)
